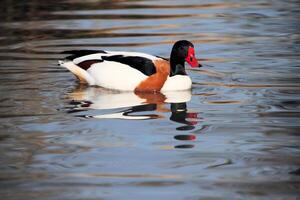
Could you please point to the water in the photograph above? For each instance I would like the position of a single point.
(234, 136)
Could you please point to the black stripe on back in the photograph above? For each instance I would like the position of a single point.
(162, 58)
(144, 65)
(88, 63)
(79, 53)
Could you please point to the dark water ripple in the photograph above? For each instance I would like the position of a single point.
(234, 136)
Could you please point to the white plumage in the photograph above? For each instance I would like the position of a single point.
(114, 75)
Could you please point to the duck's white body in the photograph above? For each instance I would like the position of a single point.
(131, 71)
(107, 74)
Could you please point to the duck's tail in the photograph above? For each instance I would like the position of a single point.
(81, 74)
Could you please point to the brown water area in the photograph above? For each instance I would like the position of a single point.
(235, 135)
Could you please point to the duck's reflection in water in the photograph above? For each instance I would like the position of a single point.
(181, 115)
(136, 106)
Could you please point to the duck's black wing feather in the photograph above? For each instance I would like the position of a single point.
(80, 53)
(144, 65)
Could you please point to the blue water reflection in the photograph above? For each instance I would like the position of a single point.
(234, 136)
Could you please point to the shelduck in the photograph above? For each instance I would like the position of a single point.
(133, 71)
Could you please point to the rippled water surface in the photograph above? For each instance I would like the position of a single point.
(234, 136)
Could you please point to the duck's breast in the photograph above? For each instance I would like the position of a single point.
(177, 83)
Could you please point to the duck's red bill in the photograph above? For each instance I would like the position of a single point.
(191, 59)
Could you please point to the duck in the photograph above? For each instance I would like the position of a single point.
(133, 71)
